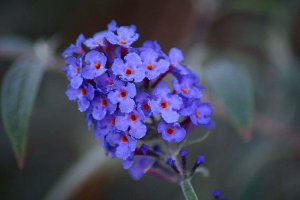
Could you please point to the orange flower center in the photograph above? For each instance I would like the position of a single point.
(103, 102)
(197, 114)
(123, 42)
(97, 65)
(123, 94)
(128, 71)
(124, 139)
(184, 90)
(146, 106)
(113, 121)
(170, 131)
(150, 67)
(133, 118)
(83, 92)
(77, 70)
(164, 105)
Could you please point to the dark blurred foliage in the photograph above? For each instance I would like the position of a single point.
(259, 159)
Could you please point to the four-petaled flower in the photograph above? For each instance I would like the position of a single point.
(142, 100)
(165, 103)
(105, 82)
(73, 71)
(83, 95)
(199, 113)
(123, 94)
(171, 132)
(95, 64)
(133, 123)
(122, 144)
(125, 36)
(131, 70)
(97, 40)
(154, 66)
(101, 106)
(187, 87)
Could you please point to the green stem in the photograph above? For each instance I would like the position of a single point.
(198, 140)
(188, 190)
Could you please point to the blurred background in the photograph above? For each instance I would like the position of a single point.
(247, 55)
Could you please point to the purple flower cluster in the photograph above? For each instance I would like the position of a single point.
(123, 92)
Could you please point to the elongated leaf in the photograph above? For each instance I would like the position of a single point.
(19, 90)
(13, 46)
(232, 86)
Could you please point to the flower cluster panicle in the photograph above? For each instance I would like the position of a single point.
(125, 97)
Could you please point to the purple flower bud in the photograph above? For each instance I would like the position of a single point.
(75, 48)
(183, 153)
(216, 194)
(171, 163)
(199, 161)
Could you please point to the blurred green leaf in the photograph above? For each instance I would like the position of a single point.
(19, 91)
(12, 46)
(232, 87)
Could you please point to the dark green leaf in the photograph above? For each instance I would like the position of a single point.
(232, 86)
(19, 91)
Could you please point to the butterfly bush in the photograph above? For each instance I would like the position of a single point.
(132, 96)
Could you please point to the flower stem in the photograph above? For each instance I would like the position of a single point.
(188, 190)
(198, 140)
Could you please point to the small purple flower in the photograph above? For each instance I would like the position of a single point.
(73, 71)
(95, 64)
(125, 36)
(134, 122)
(153, 45)
(171, 132)
(101, 106)
(97, 40)
(105, 126)
(138, 170)
(75, 48)
(112, 26)
(123, 95)
(142, 100)
(175, 58)
(152, 64)
(82, 95)
(105, 82)
(187, 87)
(131, 70)
(165, 103)
(124, 146)
(199, 113)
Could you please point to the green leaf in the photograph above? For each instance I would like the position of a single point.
(231, 85)
(19, 90)
(12, 46)
(188, 190)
